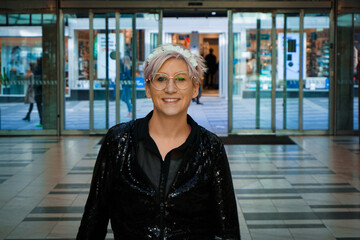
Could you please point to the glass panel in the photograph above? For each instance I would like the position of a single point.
(2, 19)
(287, 78)
(28, 76)
(356, 69)
(146, 25)
(19, 19)
(77, 55)
(126, 58)
(316, 83)
(49, 18)
(105, 70)
(252, 71)
(36, 19)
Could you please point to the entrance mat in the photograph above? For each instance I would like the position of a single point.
(257, 140)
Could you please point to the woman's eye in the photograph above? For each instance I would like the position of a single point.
(161, 79)
(180, 79)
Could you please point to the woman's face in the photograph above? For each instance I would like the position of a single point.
(172, 101)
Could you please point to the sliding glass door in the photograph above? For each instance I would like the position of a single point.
(252, 82)
(103, 70)
(280, 72)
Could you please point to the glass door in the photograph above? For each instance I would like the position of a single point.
(103, 70)
(288, 71)
(280, 72)
(148, 38)
(316, 86)
(302, 79)
(76, 72)
(252, 72)
(104, 66)
(121, 49)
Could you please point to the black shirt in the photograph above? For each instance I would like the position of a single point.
(150, 160)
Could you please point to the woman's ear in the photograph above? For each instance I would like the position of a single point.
(196, 89)
(147, 90)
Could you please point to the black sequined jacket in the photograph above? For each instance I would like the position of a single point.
(199, 205)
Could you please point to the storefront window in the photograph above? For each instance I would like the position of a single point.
(27, 75)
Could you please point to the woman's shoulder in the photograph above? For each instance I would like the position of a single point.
(120, 131)
(209, 137)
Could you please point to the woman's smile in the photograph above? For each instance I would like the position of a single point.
(171, 100)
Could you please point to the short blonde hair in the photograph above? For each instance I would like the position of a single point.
(153, 64)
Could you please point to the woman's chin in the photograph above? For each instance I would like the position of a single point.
(171, 112)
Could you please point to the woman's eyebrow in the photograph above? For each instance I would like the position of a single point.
(168, 74)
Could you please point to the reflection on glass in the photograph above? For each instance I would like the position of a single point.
(252, 71)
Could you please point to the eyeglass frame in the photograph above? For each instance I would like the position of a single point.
(168, 80)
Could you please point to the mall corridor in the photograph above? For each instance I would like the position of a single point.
(306, 190)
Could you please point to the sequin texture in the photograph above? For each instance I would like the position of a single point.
(199, 205)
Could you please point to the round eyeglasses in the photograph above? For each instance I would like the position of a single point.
(161, 80)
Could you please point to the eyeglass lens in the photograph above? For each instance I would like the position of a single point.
(181, 80)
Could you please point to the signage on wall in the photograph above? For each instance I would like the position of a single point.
(292, 56)
(101, 54)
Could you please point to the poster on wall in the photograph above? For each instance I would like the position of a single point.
(101, 54)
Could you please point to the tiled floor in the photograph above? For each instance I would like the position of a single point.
(310, 190)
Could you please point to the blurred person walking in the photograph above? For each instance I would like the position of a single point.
(30, 93)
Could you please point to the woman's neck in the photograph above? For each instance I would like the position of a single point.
(168, 128)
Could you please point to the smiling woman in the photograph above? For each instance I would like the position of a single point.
(163, 176)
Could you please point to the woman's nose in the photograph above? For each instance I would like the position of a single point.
(170, 86)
